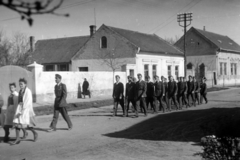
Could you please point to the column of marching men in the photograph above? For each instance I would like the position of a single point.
(160, 94)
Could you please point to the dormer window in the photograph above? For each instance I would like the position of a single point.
(103, 42)
(219, 41)
(230, 43)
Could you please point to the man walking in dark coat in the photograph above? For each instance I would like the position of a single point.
(172, 93)
(191, 91)
(141, 89)
(197, 90)
(118, 96)
(60, 104)
(130, 94)
(180, 94)
(150, 93)
(165, 86)
(203, 90)
(159, 93)
(184, 96)
(85, 87)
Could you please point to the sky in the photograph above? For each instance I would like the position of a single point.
(147, 16)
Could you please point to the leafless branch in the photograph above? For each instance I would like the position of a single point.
(26, 9)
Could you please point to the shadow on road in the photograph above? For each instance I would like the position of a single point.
(183, 126)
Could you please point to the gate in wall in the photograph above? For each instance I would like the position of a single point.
(12, 74)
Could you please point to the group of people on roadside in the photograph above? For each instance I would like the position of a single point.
(160, 94)
(20, 114)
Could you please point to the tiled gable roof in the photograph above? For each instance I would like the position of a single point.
(147, 42)
(223, 42)
(59, 50)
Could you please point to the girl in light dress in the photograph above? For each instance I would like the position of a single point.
(24, 116)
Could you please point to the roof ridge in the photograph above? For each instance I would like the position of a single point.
(131, 31)
(63, 38)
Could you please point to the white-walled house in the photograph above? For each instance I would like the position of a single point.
(215, 56)
(129, 51)
(109, 48)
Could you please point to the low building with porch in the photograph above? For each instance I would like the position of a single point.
(215, 56)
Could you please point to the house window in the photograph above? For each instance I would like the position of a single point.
(104, 42)
(154, 70)
(189, 66)
(83, 69)
(177, 71)
(169, 70)
(62, 67)
(131, 72)
(233, 69)
(49, 67)
(146, 71)
(223, 68)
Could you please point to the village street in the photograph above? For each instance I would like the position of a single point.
(97, 135)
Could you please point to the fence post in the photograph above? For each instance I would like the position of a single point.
(35, 69)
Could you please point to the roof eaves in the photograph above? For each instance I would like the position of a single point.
(229, 50)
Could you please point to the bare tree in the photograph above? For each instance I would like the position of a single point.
(112, 58)
(26, 8)
(15, 50)
(172, 40)
(20, 49)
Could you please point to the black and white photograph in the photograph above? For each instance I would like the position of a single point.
(119, 79)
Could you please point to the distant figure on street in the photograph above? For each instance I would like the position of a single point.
(85, 88)
(203, 90)
(60, 104)
(141, 89)
(117, 95)
(130, 94)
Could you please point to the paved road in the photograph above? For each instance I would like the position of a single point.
(97, 135)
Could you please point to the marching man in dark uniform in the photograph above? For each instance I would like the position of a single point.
(197, 90)
(203, 90)
(165, 86)
(184, 96)
(118, 96)
(159, 93)
(130, 94)
(191, 90)
(141, 89)
(172, 93)
(150, 93)
(180, 94)
(60, 104)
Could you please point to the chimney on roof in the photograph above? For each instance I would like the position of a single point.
(92, 29)
(32, 43)
(204, 28)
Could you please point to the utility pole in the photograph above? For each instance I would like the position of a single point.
(184, 17)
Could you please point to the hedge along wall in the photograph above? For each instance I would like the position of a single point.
(101, 83)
